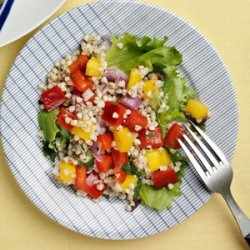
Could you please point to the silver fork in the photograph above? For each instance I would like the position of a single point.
(215, 172)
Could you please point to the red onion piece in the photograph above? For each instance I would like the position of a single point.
(104, 88)
(131, 102)
(115, 75)
(106, 43)
(99, 157)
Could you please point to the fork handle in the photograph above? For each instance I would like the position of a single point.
(240, 217)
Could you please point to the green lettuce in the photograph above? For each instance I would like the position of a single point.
(47, 123)
(159, 199)
(150, 52)
(154, 54)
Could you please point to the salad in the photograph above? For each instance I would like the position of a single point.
(110, 119)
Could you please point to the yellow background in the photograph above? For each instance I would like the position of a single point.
(226, 23)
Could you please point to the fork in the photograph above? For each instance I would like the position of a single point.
(214, 171)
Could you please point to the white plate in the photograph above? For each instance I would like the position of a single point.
(24, 16)
(203, 69)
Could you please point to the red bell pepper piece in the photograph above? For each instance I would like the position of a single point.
(105, 141)
(80, 180)
(105, 163)
(91, 188)
(111, 108)
(135, 118)
(119, 160)
(80, 81)
(53, 98)
(151, 138)
(174, 133)
(163, 178)
(61, 118)
(79, 63)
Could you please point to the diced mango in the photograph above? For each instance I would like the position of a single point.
(85, 135)
(157, 158)
(67, 172)
(149, 88)
(196, 109)
(130, 180)
(93, 67)
(134, 77)
(124, 139)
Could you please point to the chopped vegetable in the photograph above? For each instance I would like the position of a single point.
(197, 109)
(105, 141)
(113, 113)
(80, 81)
(53, 98)
(85, 135)
(150, 89)
(163, 178)
(134, 120)
(157, 158)
(123, 139)
(151, 138)
(93, 67)
(105, 163)
(171, 140)
(130, 180)
(61, 118)
(134, 77)
(79, 63)
(80, 180)
(91, 187)
(67, 172)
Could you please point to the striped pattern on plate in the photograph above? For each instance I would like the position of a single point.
(202, 68)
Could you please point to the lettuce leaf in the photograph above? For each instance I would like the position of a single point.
(47, 123)
(150, 52)
(159, 199)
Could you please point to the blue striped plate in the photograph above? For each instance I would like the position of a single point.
(202, 68)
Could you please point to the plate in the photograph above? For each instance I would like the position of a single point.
(203, 69)
(16, 20)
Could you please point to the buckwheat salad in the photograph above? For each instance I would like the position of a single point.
(110, 117)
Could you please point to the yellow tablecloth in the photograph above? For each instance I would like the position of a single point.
(226, 24)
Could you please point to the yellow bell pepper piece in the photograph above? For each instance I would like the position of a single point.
(93, 67)
(85, 135)
(130, 179)
(157, 158)
(124, 139)
(67, 172)
(149, 88)
(134, 77)
(196, 109)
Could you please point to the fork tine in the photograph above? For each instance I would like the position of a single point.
(199, 154)
(210, 143)
(204, 148)
(193, 160)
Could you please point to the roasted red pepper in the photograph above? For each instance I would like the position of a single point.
(79, 63)
(80, 81)
(151, 138)
(61, 118)
(174, 133)
(135, 118)
(113, 113)
(53, 98)
(105, 163)
(163, 178)
(80, 180)
(105, 141)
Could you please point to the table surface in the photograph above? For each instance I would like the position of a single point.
(226, 25)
